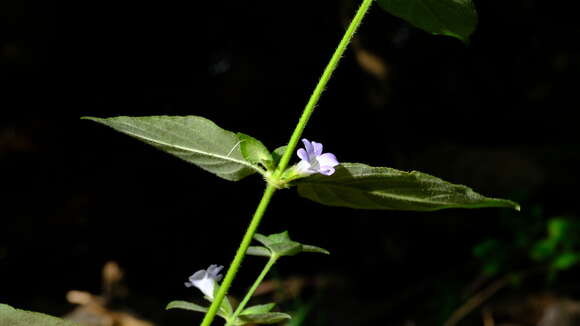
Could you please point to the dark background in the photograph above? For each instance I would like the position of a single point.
(497, 115)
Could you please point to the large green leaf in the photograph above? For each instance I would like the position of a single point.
(16, 317)
(361, 186)
(456, 18)
(194, 139)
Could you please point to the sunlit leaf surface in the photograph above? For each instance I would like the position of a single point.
(361, 186)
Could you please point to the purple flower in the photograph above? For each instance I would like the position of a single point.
(314, 161)
(206, 280)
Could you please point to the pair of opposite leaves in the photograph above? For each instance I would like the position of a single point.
(200, 141)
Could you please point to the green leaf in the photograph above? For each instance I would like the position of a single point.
(262, 239)
(258, 251)
(226, 306)
(255, 152)
(309, 248)
(191, 138)
(279, 237)
(224, 311)
(258, 309)
(487, 248)
(361, 186)
(265, 318)
(491, 268)
(566, 260)
(280, 244)
(456, 18)
(178, 304)
(543, 249)
(278, 153)
(15, 317)
(493, 254)
(557, 228)
(289, 248)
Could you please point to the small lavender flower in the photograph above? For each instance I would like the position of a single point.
(206, 280)
(314, 161)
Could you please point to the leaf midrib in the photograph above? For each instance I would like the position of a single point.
(227, 158)
(383, 194)
(439, 204)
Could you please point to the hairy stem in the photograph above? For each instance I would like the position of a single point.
(270, 189)
(251, 291)
(322, 84)
(235, 265)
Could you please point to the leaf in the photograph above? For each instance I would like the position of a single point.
(262, 239)
(289, 248)
(557, 228)
(226, 306)
(279, 237)
(543, 249)
(492, 268)
(361, 186)
(487, 248)
(191, 138)
(178, 304)
(265, 318)
(258, 309)
(278, 153)
(258, 251)
(456, 18)
(280, 244)
(309, 248)
(565, 260)
(255, 152)
(15, 317)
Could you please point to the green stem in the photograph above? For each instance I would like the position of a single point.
(270, 189)
(321, 85)
(251, 291)
(235, 265)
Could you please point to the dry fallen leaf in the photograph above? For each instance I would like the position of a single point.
(93, 310)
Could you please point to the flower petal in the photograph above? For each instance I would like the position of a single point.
(206, 280)
(317, 148)
(303, 155)
(308, 147)
(213, 270)
(197, 275)
(327, 170)
(327, 160)
(303, 167)
(206, 286)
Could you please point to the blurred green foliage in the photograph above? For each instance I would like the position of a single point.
(536, 244)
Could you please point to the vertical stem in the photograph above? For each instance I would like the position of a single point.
(251, 291)
(330, 67)
(235, 265)
(334, 60)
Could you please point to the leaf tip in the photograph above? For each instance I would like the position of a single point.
(315, 249)
(90, 118)
(170, 305)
